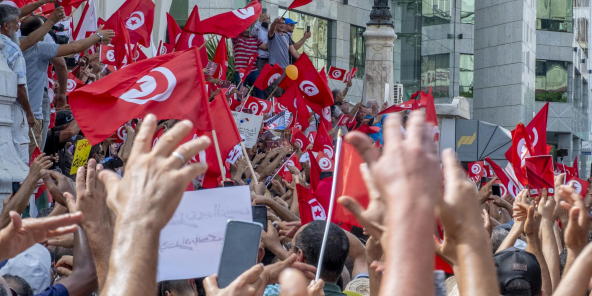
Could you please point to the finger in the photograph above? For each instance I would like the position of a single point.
(64, 271)
(143, 139)
(15, 224)
(364, 145)
(574, 213)
(191, 171)
(59, 243)
(70, 202)
(51, 186)
(251, 275)
(55, 222)
(66, 261)
(354, 207)
(293, 283)
(559, 180)
(188, 151)
(61, 231)
(211, 285)
(490, 183)
(91, 175)
(81, 179)
(451, 170)
(367, 176)
(110, 179)
(392, 132)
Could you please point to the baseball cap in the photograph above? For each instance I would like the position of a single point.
(515, 264)
(63, 117)
(290, 21)
(33, 265)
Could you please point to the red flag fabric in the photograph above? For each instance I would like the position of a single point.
(285, 170)
(314, 206)
(122, 45)
(511, 187)
(268, 75)
(336, 73)
(575, 170)
(73, 83)
(157, 85)
(364, 128)
(36, 152)
(539, 172)
(298, 3)
(87, 24)
(313, 86)
(537, 130)
(343, 119)
(408, 105)
(259, 107)
(580, 186)
(286, 82)
(173, 29)
(349, 183)
(288, 99)
(476, 170)
(138, 54)
(521, 149)
(323, 142)
(431, 117)
(315, 171)
(312, 136)
(188, 39)
(350, 75)
(247, 70)
(138, 17)
(325, 162)
(221, 58)
(107, 55)
(235, 105)
(299, 138)
(302, 112)
(278, 107)
(229, 24)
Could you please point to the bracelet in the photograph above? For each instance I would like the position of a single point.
(100, 36)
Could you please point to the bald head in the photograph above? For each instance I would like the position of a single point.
(30, 24)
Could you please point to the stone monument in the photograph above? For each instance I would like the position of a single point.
(12, 168)
(380, 37)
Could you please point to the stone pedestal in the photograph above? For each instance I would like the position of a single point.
(379, 63)
(12, 168)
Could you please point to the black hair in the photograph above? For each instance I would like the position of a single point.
(497, 237)
(60, 252)
(201, 291)
(518, 285)
(562, 261)
(309, 240)
(19, 284)
(30, 24)
(44, 212)
(177, 286)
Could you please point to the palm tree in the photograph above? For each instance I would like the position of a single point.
(211, 48)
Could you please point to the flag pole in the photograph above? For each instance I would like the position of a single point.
(279, 169)
(332, 202)
(284, 13)
(249, 162)
(219, 155)
(273, 92)
(206, 42)
(32, 133)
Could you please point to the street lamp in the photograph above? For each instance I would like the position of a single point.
(381, 14)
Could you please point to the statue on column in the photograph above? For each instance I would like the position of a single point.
(381, 14)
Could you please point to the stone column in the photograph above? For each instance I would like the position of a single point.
(12, 168)
(380, 37)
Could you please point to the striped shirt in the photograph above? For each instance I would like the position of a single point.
(244, 48)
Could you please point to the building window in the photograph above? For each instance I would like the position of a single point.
(436, 12)
(555, 15)
(435, 72)
(316, 47)
(467, 12)
(357, 50)
(551, 81)
(466, 75)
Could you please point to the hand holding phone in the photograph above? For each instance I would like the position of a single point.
(239, 253)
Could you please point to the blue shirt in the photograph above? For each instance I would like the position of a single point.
(378, 136)
(55, 290)
(16, 61)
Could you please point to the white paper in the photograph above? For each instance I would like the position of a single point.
(249, 126)
(191, 243)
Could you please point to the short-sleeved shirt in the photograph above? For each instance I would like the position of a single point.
(37, 58)
(52, 143)
(263, 36)
(16, 61)
(55, 290)
(279, 50)
(244, 48)
(332, 290)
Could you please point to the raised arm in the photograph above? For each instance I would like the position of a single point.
(31, 7)
(83, 280)
(282, 212)
(302, 40)
(38, 34)
(576, 281)
(576, 233)
(59, 65)
(84, 44)
(534, 245)
(549, 242)
(273, 27)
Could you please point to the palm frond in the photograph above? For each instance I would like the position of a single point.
(211, 46)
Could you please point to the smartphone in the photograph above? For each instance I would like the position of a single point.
(495, 190)
(239, 252)
(15, 187)
(307, 28)
(273, 144)
(264, 10)
(260, 215)
(225, 84)
(228, 183)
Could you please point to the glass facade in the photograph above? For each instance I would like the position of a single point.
(551, 81)
(467, 11)
(316, 47)
(555, 15)
(467, 63)
(357, 50)
(581, 16)
(435, 73)
(436, 12)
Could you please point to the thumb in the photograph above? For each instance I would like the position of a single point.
(293, 283)
(15, 224)
(211, 285)
(574, 213)
(70, 202)
(353, 206)
(110, 179)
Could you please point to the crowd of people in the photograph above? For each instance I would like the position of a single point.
(99, 234)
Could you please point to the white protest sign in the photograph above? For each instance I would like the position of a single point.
(249, 126)
(191, 243)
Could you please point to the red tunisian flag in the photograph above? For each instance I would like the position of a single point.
(268, 75)
(107, 55)
(229, 24)
(477, 170)
(122, 44)
(521, 149)
(407, 105)
(188, 39)
(349, 183)
(539, 172)
(247, 71)
(87, 24)
(537, 131)
(313, 86)
(315, 171)
(285, 170)
(430, 116)
(137, 54)
(325, 162)
(173, 29)
(575, 170)
(259, 107)
(314, 205)
(323, 142)
(298, 3)
(288, 99)
(171, 86)
(73, 83)
(350, 75)
(512, 187)
(343, 119)
(580, 186)
(138, 16)
(336, 73)
(221, 58)
(299, 138)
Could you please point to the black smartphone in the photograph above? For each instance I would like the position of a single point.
(229, 183)
(264, 10)
(15, 187)
(307, 28)
(239, 252)
(495, 190)
(484, 180)
(260, 215)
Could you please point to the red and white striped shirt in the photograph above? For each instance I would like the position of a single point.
(244, 48)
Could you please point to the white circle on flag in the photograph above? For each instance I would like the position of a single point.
(327, 149)
(71, 85)
(325, 164)
(273, 78)
(135, 20)
(336, 73)
(309, 88)
(577, 186)
(475, 169)
(111, 55)
(300, 143)
(254, 107)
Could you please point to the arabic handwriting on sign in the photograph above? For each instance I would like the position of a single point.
(189, 218)
(187, 242)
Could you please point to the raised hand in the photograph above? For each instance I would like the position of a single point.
(249, 283)
(61, 185)
(41, 162)
(576, 233)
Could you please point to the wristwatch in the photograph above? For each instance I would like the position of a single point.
(100, 36)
